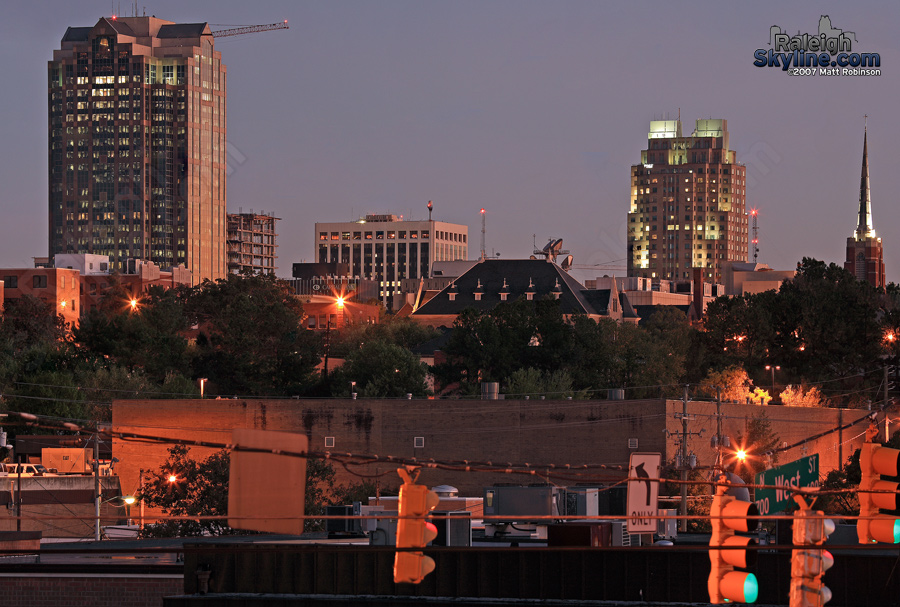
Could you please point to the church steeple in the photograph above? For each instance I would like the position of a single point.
(864, 228)
(865, 255)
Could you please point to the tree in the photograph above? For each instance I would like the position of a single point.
(28, 322)
(148, 336)
(733, 382)
(843, 479)
(758, 396)
(382, 370)
(795, 396)
(251, 337)
(200, 489)
(531, 381)
(759, 442)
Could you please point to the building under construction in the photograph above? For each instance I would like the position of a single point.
(251, 243)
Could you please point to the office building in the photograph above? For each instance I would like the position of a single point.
(865, 255)
(688, 203)
(388, 249)
(77, 282)
(137, 144)
(251, 243)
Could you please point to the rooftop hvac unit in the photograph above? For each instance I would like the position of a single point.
(582, 501)
(667, 528)
(454, 528)
(522, 504)
(343, 527)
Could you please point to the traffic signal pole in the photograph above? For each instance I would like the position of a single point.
(413, 531)
(808, 560)
(728, 514)
(874, 461)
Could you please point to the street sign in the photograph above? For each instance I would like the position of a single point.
(802, 473)
(643, 492)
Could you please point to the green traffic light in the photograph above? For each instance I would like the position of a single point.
(751, 589)
(896, 531)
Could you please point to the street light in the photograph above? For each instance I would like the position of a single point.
(202, 381)
(773, 369)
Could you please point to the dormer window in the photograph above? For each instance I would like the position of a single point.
(479, 291)
(504, 291)
(557, 291)
(529, 292)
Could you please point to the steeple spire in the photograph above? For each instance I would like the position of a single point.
(864, 228)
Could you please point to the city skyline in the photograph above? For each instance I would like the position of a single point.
(530, 110)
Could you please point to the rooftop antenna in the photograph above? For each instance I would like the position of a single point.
(755, 230)
(482, 234)
(430, 207)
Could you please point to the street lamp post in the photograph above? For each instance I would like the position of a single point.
(773, 368)
(202, 381)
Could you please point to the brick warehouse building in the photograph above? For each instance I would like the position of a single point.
(536, 431)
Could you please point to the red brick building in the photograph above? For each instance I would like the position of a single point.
(78, 282)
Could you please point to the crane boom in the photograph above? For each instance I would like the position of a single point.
(250, 29)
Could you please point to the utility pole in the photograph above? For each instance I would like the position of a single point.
(97, 494)
(684, 473)
(718, 429)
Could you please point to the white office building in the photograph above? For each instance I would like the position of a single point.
(388, 249)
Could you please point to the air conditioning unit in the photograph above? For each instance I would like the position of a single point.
(667, 528)
(523, 504)
(343, 527)
(454, 528)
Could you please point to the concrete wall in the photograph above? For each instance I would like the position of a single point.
(58, 506)
(539, 431)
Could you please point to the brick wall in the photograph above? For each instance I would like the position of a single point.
(41, 590)
(539, 431)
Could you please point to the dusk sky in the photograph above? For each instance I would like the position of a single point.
(533, 110)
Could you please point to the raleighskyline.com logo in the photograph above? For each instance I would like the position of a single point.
(828, 53)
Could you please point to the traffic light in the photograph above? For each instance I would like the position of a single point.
(727, 515)
(807, 564)
(413, 531)
(875, 460)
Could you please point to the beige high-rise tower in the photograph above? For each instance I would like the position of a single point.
(688, 203)
(137, 144)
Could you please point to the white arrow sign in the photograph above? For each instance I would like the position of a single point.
(643, 492)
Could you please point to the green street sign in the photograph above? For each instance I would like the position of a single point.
(802, 473)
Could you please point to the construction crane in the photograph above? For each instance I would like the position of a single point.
(250, 29)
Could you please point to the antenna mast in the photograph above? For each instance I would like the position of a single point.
(755, 230)
(482, 234)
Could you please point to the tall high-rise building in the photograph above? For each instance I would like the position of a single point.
(387, 249)
(137, 144)
(865, 256)
(688, 203)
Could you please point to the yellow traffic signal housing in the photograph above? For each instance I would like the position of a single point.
(808, 564)
(727, 515)
(413, 531)
(875, 460)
